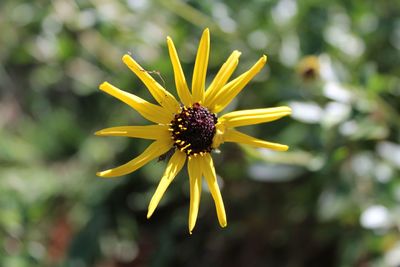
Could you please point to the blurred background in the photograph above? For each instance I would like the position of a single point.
(331, 200)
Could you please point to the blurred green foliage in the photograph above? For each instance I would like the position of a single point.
(332, 200)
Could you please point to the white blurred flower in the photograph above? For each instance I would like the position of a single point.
(335, 113)
(284, 11)
(308, 112)
(337, 92)
(390, 152)
(375, 217)
(392, 257)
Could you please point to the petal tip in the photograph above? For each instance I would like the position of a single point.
(100, 173)
(285, 148)
(264, 58)
(206, 35)
(103, 85)
(104, 174)
(285, 110)
(191, 227)
(128, 61)
(149, 213)
(237, 52)
(126, 57)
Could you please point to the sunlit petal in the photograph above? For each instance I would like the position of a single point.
(149, 111)
(156, 149)
(153, 132)
(253, 116)
(163, 97)
(234, 87)
(194, 170)
(211, 179)
(222, 77)
(180, 81)
(232, 135)
(200, 67)
(174, 166)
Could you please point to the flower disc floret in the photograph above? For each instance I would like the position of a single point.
(193, 130)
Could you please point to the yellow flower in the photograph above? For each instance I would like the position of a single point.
(190, 127)
(308, 68)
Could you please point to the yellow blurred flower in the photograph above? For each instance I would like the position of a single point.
(190, 127)
(308, 68)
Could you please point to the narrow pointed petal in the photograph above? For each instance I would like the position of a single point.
(162, 96)
(156, 149)
(194, 170)
(222, 77)
(253, 116)
(200, 68)
(174, 166)
(234, 87)
(211, 179)
(153, 132)
(149, 111)
(232, 135)
(180, 81)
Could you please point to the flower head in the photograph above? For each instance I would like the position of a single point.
(309, 68)
(190, 127)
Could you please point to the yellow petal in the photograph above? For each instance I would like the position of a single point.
(222, 77)
(162, 96)
(232, 135)
(211, 178)
(174, 166)
(231, 89)
(253, 116)
(180, 81)
(219, 135)
(156, 149)
(194, 170)
(153, 132)
(149, 111)
(200, 67)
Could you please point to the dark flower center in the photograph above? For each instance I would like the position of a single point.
(309, 73)
(193, 130)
